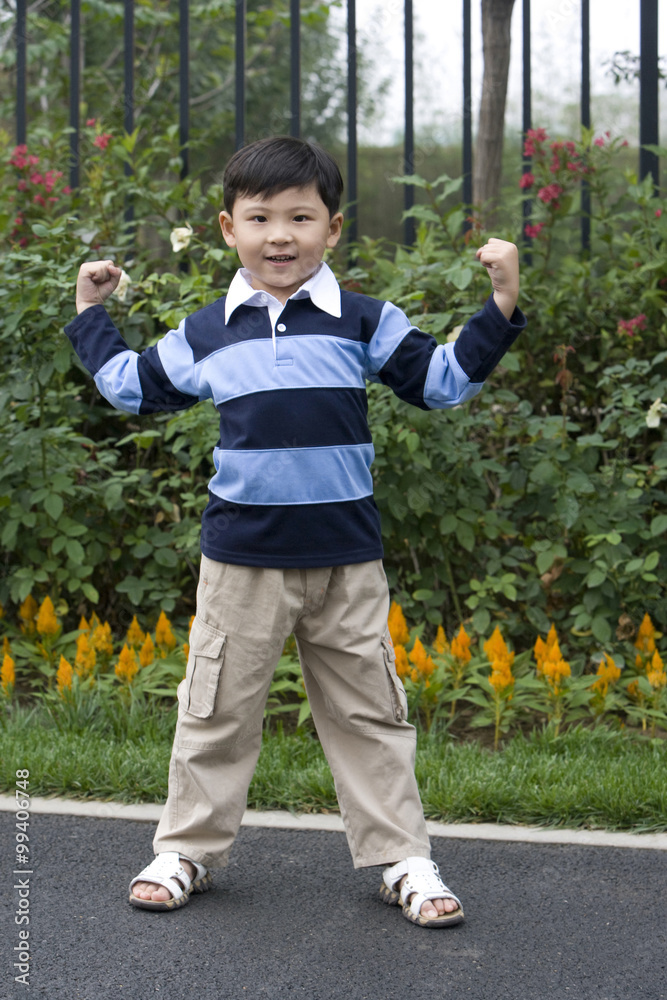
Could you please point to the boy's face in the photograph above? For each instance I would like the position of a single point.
(281, 239)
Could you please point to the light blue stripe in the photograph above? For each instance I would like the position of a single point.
(393, 327)
(446, 383)
(118, 381)
(301, 363)
(178, 361)
(293, 475)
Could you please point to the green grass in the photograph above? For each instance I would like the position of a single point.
(593, 779)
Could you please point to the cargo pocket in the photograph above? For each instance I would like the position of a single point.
(202, 674)
(399, 699)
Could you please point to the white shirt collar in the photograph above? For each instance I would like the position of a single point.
(322, 288)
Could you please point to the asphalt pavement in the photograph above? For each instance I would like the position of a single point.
(290, 917)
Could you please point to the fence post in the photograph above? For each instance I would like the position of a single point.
(409, 140)
(527, 122)
(184, 85)
(648, 90)
(295, 67)
(74, 90)
(239, 116)
(467, 111)
(21, 69)
(585, 118)
(352, 229)
(128, 89)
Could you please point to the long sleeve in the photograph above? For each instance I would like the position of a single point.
(436, 376)
(161, 378)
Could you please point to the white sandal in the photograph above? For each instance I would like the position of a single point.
(166, 869)
(423, 882)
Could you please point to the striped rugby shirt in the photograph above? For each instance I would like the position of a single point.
(292, 484)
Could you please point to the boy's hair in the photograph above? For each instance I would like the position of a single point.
(274, 164)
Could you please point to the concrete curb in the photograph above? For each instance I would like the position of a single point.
(149, 813)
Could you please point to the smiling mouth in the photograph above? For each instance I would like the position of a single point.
(281, 258)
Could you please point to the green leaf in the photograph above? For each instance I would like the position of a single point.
(601, 629)
(659, 525)
(54, 506)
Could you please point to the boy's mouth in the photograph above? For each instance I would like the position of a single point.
(281, 258)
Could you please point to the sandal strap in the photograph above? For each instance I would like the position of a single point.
(165, 869)
(423, 883)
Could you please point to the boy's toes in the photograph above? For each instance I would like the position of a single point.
(149, 890)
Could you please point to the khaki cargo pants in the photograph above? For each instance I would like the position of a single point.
(339, 618)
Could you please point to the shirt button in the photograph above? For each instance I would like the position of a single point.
(281, 328)
(263, 297)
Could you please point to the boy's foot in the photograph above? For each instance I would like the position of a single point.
(168, 882)
(415, 885)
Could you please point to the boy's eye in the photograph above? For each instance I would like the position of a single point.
(301, 218)
(259, 218)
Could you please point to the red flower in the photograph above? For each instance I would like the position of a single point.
(102, 141)
(90, 122)
(599, 141)
(533, 231)
(630, 326)
(550, 194)
(658, 213)
(527, 180)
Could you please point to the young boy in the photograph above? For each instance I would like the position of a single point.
(291, 535)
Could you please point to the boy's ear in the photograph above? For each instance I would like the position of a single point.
(227, 227)
(335, 229)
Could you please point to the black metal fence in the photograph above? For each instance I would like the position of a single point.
(648, 100)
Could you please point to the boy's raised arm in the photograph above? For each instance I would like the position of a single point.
(501, 259)
(96, 281)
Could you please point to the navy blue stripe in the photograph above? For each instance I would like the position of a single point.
(305, 535)
(284, 419)
(95, 338)
(205, 330)
(486, 337)
(158, 393)
(405, 372)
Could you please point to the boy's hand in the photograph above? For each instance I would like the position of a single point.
(501, 259)
(96, 281)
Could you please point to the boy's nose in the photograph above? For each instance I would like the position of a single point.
(280, 235)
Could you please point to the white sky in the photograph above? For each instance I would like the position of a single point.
(556, 60)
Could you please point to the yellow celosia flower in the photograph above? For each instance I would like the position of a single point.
(127, 665)
(645, 643)
(64, 675)
(147, 651)
(655, 674)
(28, 609)
(101, 638)
(424, 665)
(398, 628)
(164, 637)
(83, 624)
(607, 674)
(135, 634)
(440, 644)
(7, 674)
(402, 664)
(555, 669)
(47, 623)
(460, 646)
(2, 610)
(501, 659)
(6, 648)
(84, 662)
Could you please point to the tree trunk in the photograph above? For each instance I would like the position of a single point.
(496, 38)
